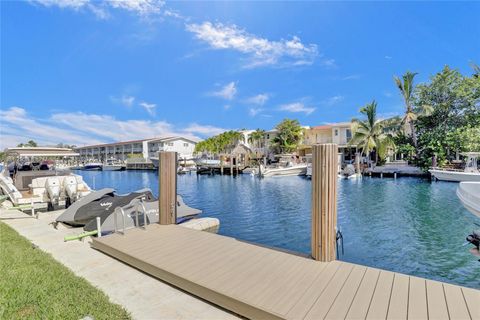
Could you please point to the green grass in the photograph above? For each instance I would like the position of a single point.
(33, 285)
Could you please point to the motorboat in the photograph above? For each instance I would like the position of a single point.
(113, 165)
(104, 202)
(470, 173)
(287, 165)
(92, 166)
(469, 194)
(289, 169)
(28, 182)
(349, 172)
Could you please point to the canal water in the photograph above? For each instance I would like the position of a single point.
(408, 225)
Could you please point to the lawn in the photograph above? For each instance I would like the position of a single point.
(33, 285)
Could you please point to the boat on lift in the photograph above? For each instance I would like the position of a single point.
(28, 184)
(470, 173)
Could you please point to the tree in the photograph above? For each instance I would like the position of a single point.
(455, 101)
(369, 134)
(406, 87)
(222, 143)
(288, 136)
(30, 143)
(256, 136)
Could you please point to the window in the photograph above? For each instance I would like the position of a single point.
(336, 132)
(170, 144)
(348, 134)
(185, 144)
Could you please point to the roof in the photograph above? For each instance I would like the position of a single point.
(41, 152)
(166, 138)
(332, 125)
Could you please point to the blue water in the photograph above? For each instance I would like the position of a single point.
(407, 225)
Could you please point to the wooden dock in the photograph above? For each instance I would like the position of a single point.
(262, 283)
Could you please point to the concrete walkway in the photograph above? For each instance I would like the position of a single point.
(143, 296)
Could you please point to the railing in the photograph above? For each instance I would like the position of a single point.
(139, 202)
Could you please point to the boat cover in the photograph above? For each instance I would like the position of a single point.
(184, 213)
(98, 204)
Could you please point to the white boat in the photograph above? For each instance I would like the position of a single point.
(469, 195)
(471, 172)
(41, 187)
(287, 170)
(93, 166)
(113, 165)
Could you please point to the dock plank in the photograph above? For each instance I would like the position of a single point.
(398, 306)
(457, 308)
(381, 297)
(361, 302)
(472, 298)
(320, 309)
(342, 303)
(437, 305)
(262, 283)
(417, 300)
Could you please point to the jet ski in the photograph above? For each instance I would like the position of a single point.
(99, 204)
(134, 209)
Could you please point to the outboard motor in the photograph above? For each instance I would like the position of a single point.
(52, 186)
(71, 190)
(474, 239)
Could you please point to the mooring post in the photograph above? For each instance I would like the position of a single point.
(221, 165)
(231, 165)
(357, 163)
(324, 201)
(167, 187)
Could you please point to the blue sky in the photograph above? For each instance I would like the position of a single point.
(80, 71)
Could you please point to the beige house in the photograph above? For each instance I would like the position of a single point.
(339, 133)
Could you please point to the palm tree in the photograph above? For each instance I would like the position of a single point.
(289, 135)
(369, 134)
(256, 136)
(406, 87)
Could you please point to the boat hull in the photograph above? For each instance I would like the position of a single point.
(469, 195)
(113, 168)
(289, 171)
(455, 176)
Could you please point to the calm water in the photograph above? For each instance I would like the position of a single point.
(407, 225)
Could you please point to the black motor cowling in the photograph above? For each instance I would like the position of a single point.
(474, 239)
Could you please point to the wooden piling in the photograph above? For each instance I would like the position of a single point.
(221, 165)
(167, 189)
(324, 201)
(231, 165)
(357, 163)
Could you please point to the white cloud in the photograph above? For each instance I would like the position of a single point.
(80, 128)
(254, 111)
(351, 77)
(388, 57)
(329, 63)
(333, 100)
(227, 92)
(127, 100)
(259, 99)
(204, 130)
(259, 51)
(387, 94)
(297, 107)
(140, 7)
(143, 8)
(149, 107)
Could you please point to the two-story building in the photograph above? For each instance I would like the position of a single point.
(138, 149)
(339, 133)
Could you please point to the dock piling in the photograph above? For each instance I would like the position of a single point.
(324, 201)
(167, 189)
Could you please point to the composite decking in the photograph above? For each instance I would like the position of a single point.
(263, 283)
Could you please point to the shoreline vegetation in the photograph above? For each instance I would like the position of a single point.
(441, 120)
(33, 285)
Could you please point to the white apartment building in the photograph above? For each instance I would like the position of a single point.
(139, 149)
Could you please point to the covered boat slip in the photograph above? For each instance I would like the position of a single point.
(261, 283)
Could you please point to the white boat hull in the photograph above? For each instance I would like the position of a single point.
(287, 171)
(107, 167)
(456, 176)
(469, 195)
